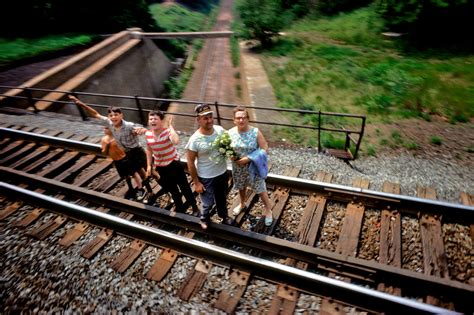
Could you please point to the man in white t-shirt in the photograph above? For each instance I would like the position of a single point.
(210, 177)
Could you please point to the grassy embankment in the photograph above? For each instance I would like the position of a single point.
(21, 48)
(344, 64)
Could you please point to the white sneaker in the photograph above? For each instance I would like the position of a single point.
(140, 194)
(237, 210)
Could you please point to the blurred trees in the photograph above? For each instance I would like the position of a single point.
(430, 22)
(331, 7)
(31, 18)
(263, 19)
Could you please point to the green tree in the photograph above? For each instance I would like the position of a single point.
(438, 22)
(331, 7)
(263, 19)
(30, 18)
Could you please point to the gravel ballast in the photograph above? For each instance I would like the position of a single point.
(41, 276)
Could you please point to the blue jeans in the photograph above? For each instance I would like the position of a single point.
(216, 189)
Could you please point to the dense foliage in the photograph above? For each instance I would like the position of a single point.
(343, 64)
(176, 18)
(31, 18)
(263, 19)
(199, 5)
(331, 7)
(431, 22)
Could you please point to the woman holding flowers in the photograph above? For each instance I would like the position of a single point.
(246, 140)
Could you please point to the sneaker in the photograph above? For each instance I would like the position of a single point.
(140, 194)
(146, 199)
(237, 210)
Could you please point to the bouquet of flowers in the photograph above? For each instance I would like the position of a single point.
(223, 147)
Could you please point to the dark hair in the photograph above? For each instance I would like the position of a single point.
(158, 113)
(241, 109)
(114, 109)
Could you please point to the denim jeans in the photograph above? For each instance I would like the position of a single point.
(216, 189)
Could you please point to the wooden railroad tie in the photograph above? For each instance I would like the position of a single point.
(348, 241)
(390, 251)
(286, 297)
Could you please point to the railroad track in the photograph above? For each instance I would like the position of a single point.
(60, 173)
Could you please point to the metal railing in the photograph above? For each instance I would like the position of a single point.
(350, 148)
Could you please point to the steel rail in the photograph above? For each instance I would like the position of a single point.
(316, 284)
(463, 213)
(81, 146)
(367, 271)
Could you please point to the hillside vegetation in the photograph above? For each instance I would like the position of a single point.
(24, 48)
(344, 64)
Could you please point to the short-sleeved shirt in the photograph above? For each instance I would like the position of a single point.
(202, 145)
(124, 136)
(163, 149)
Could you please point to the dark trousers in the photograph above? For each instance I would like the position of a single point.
(216, 189)
(173, 179)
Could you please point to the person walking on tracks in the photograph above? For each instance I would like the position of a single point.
(110, 148)
(125, 134)
(162, 156)
(210, 178)
(251, 168)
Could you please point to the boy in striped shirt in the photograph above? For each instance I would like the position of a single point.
(161, 155)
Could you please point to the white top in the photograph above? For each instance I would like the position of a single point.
(202, 145)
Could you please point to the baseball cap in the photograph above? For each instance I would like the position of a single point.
(203, 109)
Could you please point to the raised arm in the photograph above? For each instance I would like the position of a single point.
(174, 137)
(92, 112)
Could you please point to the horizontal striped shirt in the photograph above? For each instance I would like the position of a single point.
(162, 148)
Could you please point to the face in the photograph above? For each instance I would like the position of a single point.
(116, 118)
(206, 122)
(155, 122)
(241, 119)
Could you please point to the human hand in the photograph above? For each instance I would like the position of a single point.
(199, 187)
(73, 98)
(139, 131)
(243, 161)
(155, 174)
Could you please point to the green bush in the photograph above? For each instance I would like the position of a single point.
(436, 140)
(371, 150)
(411, 145)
